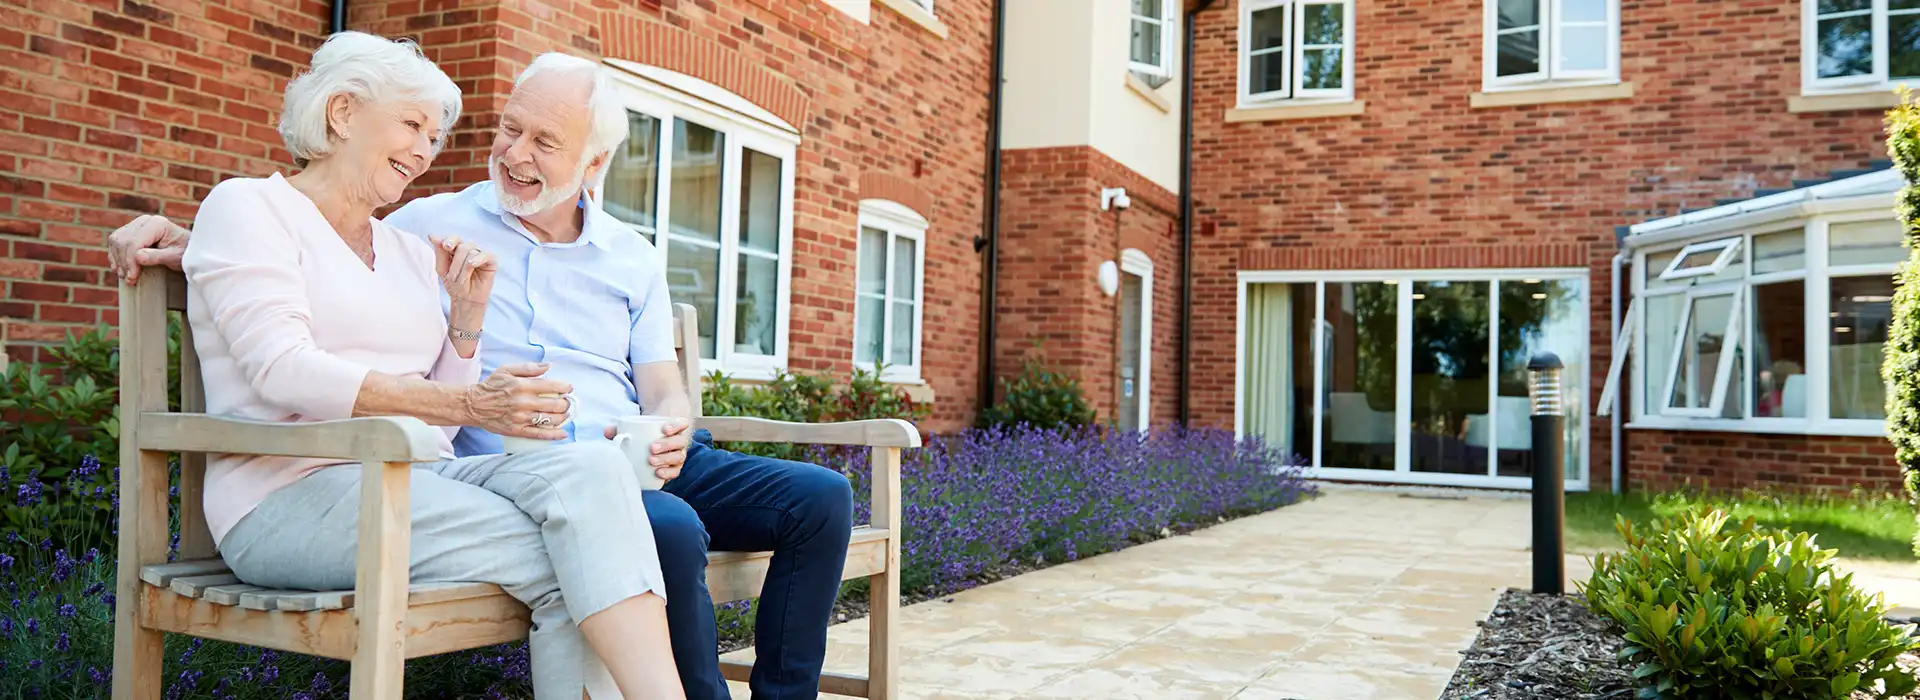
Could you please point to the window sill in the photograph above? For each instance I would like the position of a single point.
(1843, 102)
(1303, 110)
(860, 10)
(918, 15)
(1842, 428)
(1146, 92)
(1550, 94)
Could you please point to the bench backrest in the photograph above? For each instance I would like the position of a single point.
(143, 389)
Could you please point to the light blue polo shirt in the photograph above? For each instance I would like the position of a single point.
(593, 308)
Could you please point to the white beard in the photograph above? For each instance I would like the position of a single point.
(549, 197)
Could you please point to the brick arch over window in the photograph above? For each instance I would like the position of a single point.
(656, 44)
(899, 189)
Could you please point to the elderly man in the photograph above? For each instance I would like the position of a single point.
(579, 290)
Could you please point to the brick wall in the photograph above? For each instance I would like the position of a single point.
(1665, 460)
(109, 108)
(1422, 178)
(1053, 238)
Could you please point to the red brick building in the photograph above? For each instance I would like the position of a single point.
(1394, 203)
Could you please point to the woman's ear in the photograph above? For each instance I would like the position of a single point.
(340, 109)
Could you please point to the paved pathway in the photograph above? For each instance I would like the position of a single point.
(1358, 594)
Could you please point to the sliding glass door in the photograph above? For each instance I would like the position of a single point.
(1416, 377)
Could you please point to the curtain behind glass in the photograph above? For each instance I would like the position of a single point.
(1270, 384)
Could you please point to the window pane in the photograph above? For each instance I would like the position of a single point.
(1360, 344)
(1269, 29)
(1146, 43)
(1535, 316)
(1451, 357)
(1864, 243)
(1519, 13)
(634, 173)
(866, 329)
(1278, 395)
(1903, 4)
(1322, 24)
(906, 283)
(693, 277)
(1831, 6)
(1779, 350)
(1861, 311)
(1662, 324)
(873, 260)
(1779, 252)
(759, 201)
(1584, 47)
(900, 352)
(1846, 46)
(1147, 8)
(1700, 351)
(1268, 73)
(1321, 69)
(1656, 264)
(1519, 53)
(1903, 46)
(696, 181)
(756, 304)
(1583, 10)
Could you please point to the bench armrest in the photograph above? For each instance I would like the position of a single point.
(870, 433)
(383, 439)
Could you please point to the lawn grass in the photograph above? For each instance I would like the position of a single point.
(1860, 525)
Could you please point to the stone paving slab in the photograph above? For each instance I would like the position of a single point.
(1361, 594)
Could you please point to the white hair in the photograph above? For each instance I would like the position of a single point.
(373, 71)
(607, 118)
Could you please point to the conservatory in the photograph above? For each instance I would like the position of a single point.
(1767, 315)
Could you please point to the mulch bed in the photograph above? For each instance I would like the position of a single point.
(1546, 646)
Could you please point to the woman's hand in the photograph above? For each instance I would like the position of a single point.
(465, 270)
(511, 402)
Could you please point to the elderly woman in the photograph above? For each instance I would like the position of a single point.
(306, 308)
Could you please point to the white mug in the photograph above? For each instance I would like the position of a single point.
(518, 445)
(635, 435)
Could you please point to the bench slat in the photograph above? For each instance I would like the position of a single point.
(196, 586)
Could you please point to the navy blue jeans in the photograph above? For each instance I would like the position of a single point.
(726, 501)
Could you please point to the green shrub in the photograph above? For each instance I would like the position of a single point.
(1901, 367)
(1041, 398)
(1719, 610)
(802, 398)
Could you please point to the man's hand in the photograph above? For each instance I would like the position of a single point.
(146, 241)
(670, 452)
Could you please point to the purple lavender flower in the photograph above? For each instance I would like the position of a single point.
(63, 566)
(6, 562)
(89, 465)
(28, 495)
(6, 627)
(33, 625)
(69, 611)
(98, 676)
(63, 643)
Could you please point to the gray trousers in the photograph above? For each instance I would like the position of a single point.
(561, 529)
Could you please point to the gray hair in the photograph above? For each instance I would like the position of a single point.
(607, 118)
(371, 70)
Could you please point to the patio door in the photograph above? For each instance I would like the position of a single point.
(1132, 356)
(1414, 377)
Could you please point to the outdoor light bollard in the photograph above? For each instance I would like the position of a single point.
(1549, 477)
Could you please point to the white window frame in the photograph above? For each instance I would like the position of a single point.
(1163, 69)
(1728, 248)
(1135, 262)
(1292, 54)
(1403, 281)
(897, 221)
(1551, 74)
(1723, 365)
(1876, 80)
(1816, 276)
(742, 131)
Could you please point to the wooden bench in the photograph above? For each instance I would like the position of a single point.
(383, 621)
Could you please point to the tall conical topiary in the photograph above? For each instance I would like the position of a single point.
(1901, 368)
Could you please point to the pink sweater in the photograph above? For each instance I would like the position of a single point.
(288, 321)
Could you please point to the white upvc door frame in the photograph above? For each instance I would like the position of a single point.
(1403, 281)
(1135, 262)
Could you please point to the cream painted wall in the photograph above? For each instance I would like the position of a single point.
(1067, 86)
(1125, 126)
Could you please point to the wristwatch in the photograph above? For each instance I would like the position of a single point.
(458, 334)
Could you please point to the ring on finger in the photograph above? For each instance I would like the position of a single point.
(542, 420)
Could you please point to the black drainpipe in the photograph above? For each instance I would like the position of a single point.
(339, 17)
(991, 238)
(1186, 211)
